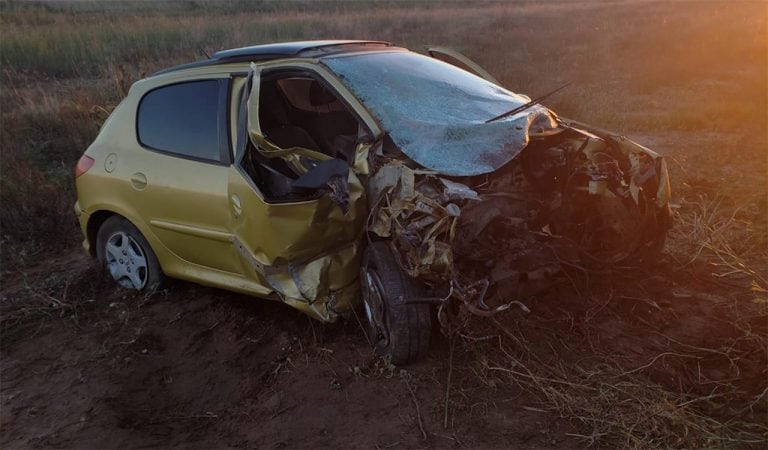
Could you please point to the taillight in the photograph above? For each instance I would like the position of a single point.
(85, 163)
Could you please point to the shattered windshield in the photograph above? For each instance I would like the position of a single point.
(436, 112)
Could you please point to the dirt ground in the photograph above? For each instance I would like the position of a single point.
(674, 354)
(198, 367)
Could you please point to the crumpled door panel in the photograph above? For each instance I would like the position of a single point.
(306, 250)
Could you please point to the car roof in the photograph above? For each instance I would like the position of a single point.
(280, 50)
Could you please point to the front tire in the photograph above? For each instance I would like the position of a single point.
(126, 257)
(398, 329)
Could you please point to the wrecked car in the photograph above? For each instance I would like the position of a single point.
(323, 173)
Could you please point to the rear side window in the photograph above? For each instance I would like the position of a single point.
(186, 119)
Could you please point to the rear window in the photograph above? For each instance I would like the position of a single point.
(183, 119)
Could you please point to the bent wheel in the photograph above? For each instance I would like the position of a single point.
(398, 329)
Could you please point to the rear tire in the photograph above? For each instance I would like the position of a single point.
(126, 257)
(398, 330)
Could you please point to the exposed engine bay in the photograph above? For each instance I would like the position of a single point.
(480, 244)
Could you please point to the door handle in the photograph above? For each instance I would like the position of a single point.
(237, 207)
(138, 181)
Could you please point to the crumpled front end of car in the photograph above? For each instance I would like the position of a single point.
(481, 212)
(574, 196)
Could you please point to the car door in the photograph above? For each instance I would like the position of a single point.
(304, 249)
(453, 57)
(180, 181)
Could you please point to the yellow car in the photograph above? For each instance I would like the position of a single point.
(304, 171)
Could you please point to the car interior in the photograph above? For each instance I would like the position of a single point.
(299, 111)
(296, 109)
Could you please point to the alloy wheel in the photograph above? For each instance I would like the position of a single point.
(126, 261)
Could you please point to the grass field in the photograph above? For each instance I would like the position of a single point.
(686, 78)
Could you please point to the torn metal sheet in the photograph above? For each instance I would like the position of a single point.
(419, 225)
(323, 287)
(458, 191)
(436, 113)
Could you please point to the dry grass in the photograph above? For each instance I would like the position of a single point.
(66, 64)
(625, 407)
(25, 312)
(685, 389)
(692, 389)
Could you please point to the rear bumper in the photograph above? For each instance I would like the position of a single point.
(82, 218)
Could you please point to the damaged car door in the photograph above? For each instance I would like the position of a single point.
(297, 211)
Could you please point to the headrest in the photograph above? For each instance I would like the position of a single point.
(271, 105)
(319, 95)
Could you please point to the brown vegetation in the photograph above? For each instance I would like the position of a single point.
(674, 355)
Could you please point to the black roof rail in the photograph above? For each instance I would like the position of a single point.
(273, 51)
(285, 49)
